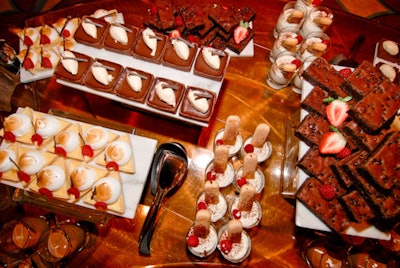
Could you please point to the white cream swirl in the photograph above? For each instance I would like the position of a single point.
(47, 126)
(31, 162)
(51, 177)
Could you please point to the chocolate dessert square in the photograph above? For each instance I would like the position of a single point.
(381, 53)
(114, 71)
(171, 58)
(153, 100)
(226, 18)
(81, 36)
(348, 166)
(314, 101)
(311, 129)
(201, 68)
(246, 13)
(84, 63)
(123, 89)
(111, 44)
(219, 43)
(193, 16)
(165, 12)
(357, 207)
(189, 111)
(238, 48)
(143, 52)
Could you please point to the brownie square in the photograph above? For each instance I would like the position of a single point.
(143, 52)
(111, 44)
(82, 37)
(83, 68)
(154, 101)
(238, 48)
(201, 68)
(114, 70)
(357, 206)
(226, 18)
(188, 110)
(171, 58)
(123, 89)
(314, 101)
(193, 17)
(311, 129)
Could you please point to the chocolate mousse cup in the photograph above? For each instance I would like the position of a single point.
(187, 110)
(82, 37)
(83, 68)
(141, 51)
(113, 69)
(171, 58)
(124, 90)
(112, 45)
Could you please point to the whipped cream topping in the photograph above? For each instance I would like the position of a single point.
(83, 177)
(107, 15)
(150, 40)
(18, 124)
(258, 182)
(166, 93)
(47, 126)
(388, 71)
(31, 162)
(119, 152)
(223, 179)
(217, 210)
(51, 177)
(391, 47)
(96, 137)
(206, 245)
(251, 218)
(89, 28)
(5, 162)
(211, 58)
(233, 149)
(119, 34)
(262, 153)
(181, 48)
(134, 81)
(199, 103)
(69, 63)
(101, 74)
(107, 190)
(239, 251)
(68, 140)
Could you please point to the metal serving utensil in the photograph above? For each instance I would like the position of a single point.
(171, 173)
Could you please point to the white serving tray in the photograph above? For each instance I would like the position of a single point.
(304, 217)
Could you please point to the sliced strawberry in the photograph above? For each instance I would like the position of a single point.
(193, 241)
(241, 32)
(46, 192)
(336, 111)
(74, 191)
(87, 150)
(201, 205)
(343, 153)
(332, 143)
(60, 151)
(44, 40)
(9, 136)
(22, 176)
(296, 62)
(46, 63)
(112, 165)
(174, 34)
(236, 214)
(345, 72)
(100, 205)
(66, 33)
(28, 64)
(249, 148)
(192, 38)
(225, 245)
(327, 192)
(36, 138)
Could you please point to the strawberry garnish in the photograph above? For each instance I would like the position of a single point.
(219, 142)
(36, 138)
(316, 2)
(46, 192)
(201, 205)
(193, 241)
(332, 142)
(327, 192)
(44, 39)
(28, 64)
(112, 165)
(236, 214)
(60, 151)
(174, 34)
(9, 136)
(28, 41)
(22, 176)
(299, 39)
(178, 21)
(100, 205)
(336, 111)
(192, 38)
(74, 191)
(296, 62)
(241, 181)
(211, 176)
(241, 32)
(46, 63)
(1, 175)
(225, 245)
(153, 10)
(87, 150)
(326, 42)
(249, 148)
(345, 72)
(66, 33)
(343, 153)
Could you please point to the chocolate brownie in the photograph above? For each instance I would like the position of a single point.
(338, 168)
(193, 17)
(313, 102)
(219, 43)
(311, 129)
(238, 48)
(349, 165)
(153, 100)
(330, 212)
(123, 89)
(382, 165)
(187, 110)
(225, 17)
(82, 37)
(246, 13)
(376, 110)
(114, 71)
(363, 80)
(165, 12)
(321, 73)
(383, 54)
(357, 206)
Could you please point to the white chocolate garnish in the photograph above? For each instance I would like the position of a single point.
(166, 93)
(388, 71)
(135, 82)
(181, 49)
(390, 47)
(199, 103)
(101, 75)
(69, 63)
(119, 34)
(210, 58)
(149, 38)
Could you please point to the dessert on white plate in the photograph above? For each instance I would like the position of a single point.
(8, 156)
(66, 26)
(181, 48)
(211, 57)
(220, 169)
(212, 200)
(46, 127)
(18, 127)
(201, 104)
(101, 74)
(49, 36)
(234, 242)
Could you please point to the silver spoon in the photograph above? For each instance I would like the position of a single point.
(172, 171)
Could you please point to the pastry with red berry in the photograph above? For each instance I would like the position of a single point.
(202, 237)
(230, 135)
(249, 173)
(220, 169)
(212, 200)
(258, 144)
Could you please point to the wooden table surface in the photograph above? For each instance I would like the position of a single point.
(276, 241)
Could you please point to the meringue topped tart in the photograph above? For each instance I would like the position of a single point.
(66, 27)
(46, 127)
(67, 143)
(118, 155)
(18, 127)
(49, 58)
(30, 58)
(107, 194)
(52, 180)
(8, 156)
(29, 35)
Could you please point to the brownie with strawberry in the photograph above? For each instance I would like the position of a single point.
(318, 198)
(241, 37)
(193, 16)
(311, 129)
(363, 80)
(314, 101)
(357, 207)
(377, 110)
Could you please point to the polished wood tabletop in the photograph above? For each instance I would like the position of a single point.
(276, 242)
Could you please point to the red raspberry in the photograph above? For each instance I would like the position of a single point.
(192, 241)
(225, 245)
(236, 214)
(22, 176)
(74, 191)
(153, 10)
(9, 136)
(241, 181)
(345, 72)
(36, 138)
(211, 176)
(297, 62)
(327, 192)
(46, 192)
(219, 142)
(112, 166)
(343, 153)
(299, 39)
(201, 205)
(60, 151)
(100, 205)
(249, 148)
(87, 150)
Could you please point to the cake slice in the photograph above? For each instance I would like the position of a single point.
(311, 129)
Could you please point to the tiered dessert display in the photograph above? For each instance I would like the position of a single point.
(349, 151)
(75, 162)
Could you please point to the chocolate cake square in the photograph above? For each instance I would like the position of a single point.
(201, 68)
(84, 63)
(357, 206)
(331, 212)
(171, 58)
(165, 12)
(238, 48)
(193, 17)
(142, 51)
(124, 90)
(81, 36)
(111, 44)
(377, 110)
(314, 101)
(114, 71)
(311, 129)
(246, 13)
(189, 111)
(153, 100)
(225, 17)
(381, 53)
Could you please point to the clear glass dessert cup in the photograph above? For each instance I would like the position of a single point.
(206, 246)
(283, 70)
(217, 211)
(223, 179)
(297, 82)
(289, 39)
(249, 219)
(263, 153)
(286, 19)
(240, 251)
(233, 149)
(319, 19)
(314, 45)
(258, 182)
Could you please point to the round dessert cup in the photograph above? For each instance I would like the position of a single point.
(284, 15)
(308, 51)
(224, 179)
(297, 82)
(218, 210)
(286, 34)
(233, 149)
(206, 245)
(279, 76)
(307, 4)
(311, 25)
(258, 182)
(262, 153)
(249, 219)
(240, 251)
